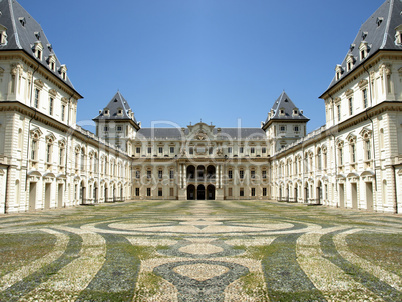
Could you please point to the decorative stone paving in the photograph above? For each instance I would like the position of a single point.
(203, 251)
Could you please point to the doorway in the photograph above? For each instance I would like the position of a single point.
(369, 196)
(201, 192)
(60, 195)
(32, 196)
(341, 195)
(47, 195)
(211, 192)
(353, 187)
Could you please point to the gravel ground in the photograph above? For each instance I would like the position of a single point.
(201, 251)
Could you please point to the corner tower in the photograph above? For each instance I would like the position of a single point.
(116, 124)
(285, 124)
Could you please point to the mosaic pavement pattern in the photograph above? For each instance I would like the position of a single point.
(201, 251)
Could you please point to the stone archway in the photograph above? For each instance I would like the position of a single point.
(190, 192)
(211, 192)
(200, 192)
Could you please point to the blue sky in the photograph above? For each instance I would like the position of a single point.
(219, 60)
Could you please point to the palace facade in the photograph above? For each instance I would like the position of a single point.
(353, 161)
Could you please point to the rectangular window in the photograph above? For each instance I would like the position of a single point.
(171, 174)
(63, 109)
(229, 149)
(48, 153)
(148, 192)
(241, 174)
(252, 173)
(159, 192)
(51, 106)
(149, 150)
(340, 156)
(138, 150)
(211, 150)
(230, 193)
(241, 149)
(106, 129)
(264, 150)
(171, 149)
(350, 106)
(61, 157)
(241, 192)
(264, 191)
(368, 150)
(191, 150)
(230, 174)
(160, 149)
(252, 191)
(137, 174)
(296, 128)
(160, 174)
(36, 101)
(365, 100)
(137, 191)
(171, 192)
(339, 112)
(33, 150)
(252, 150)
(353, 153)
(148, 174)
(282, 128)
(119, 128)
(264, 174)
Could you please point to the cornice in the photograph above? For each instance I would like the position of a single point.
(43, 70)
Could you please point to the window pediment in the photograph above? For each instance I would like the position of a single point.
(351, 138)
(50, 138)
(39, 83)
(36, 133)
(366, 133)
(349, 92)
(363, 83)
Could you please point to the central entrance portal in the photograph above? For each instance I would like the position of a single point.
(201, 192)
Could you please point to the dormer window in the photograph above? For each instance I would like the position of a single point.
(38, 49)
(338, 72)
(63, 72)
(363, 50)
(295, 112)
(52, 62)
(22, 21)
(37, 35)
(379, 21)
(364, 35)
(106, 112)
(120, 112)
(281, 111)
(3, 35)
(349, 62)
(398, 35)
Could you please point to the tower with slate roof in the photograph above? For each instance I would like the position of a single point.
(285, 124)
(117, 125)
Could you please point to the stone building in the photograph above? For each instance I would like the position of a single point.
(46, 160)
(353, 161)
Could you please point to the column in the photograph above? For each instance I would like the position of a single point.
(184, 176)
(217, 176)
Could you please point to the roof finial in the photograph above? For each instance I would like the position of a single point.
(200, 120)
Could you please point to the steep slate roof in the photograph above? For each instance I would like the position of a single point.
(378, 31)
(22, 37)
(117, 102)
(284, 102)
(225, 133)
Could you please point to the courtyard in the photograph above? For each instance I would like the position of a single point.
(201, 251)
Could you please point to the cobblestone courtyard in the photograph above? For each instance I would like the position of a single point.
(200, 251)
